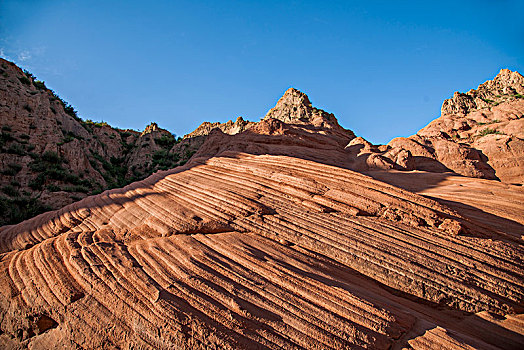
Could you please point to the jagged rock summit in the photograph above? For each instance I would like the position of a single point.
(229, 127)
(502, 88)
(294, 107)
(479, 134)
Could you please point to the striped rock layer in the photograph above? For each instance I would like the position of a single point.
(241, 251)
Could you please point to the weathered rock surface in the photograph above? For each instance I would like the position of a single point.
(243, 251)
(49, 157)
(268, 238)
(479, 134)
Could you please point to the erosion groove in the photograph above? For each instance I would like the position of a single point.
(243, 252)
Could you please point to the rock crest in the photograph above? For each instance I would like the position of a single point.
(504, 87)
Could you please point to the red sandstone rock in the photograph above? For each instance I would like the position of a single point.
(267, 238)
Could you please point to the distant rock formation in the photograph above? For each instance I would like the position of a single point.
(479, 134)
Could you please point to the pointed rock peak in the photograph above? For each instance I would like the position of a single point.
(150, 128)
(506, 86)
(509, 76)
(293, 106)
(294, 97)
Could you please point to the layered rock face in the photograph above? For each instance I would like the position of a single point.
(271, 236)
(241, 251)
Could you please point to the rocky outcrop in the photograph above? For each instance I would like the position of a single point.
(49, 157)
(229, 127)
(506, 86)
(295, 108)
(479, 134)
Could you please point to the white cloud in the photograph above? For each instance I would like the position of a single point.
(24, 56)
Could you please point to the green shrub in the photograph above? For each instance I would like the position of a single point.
(12, 169)
(71, 111)
(28, 108)
(24, 80)
(78, 188)
(52, 188)
(15, 183)
(487, 100)
(9, 190)
(17, 149)
(165, 141)
(97, 124)
(124, 134)
(489, 131)
(20, 208)
(5, 137)
(24, 137)
(38, 182)
(6, 128)
(51, 157)
(40, 85)
(164, 160)
(65, 139)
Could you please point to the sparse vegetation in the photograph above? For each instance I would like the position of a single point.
(166, 141)
(124, 134)
(24, 80)
(68, 137)
(49, 167)
(40, 85)
(9, 190)
(96, 124)
(52, 188)
(490, 122)
(17, 149)
(489, 131)
(164, 160)
(12, 169)
(113, 172)
(20, 208)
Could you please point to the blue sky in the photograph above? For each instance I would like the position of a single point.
(382, 67)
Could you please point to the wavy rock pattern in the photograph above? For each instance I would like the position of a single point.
(244, 251)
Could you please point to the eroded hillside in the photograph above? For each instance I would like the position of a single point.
(271, 236)
(49, 157)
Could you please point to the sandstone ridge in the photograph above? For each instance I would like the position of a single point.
(241, 251)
